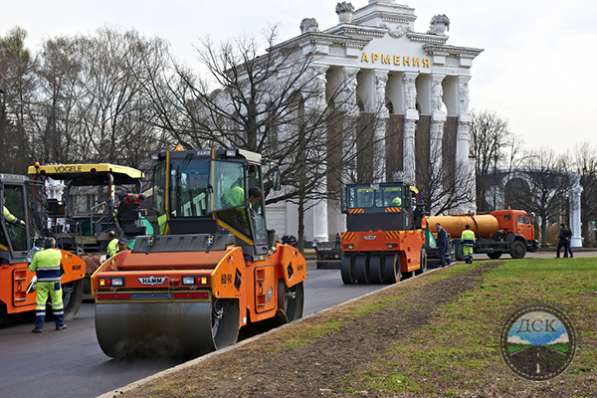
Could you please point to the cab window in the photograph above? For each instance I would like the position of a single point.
(392, 197)
(14, 201)
(230, 196)
(524, 220)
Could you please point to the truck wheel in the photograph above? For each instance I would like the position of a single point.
(359, 270)
(518, 249)
(375, 275)
(494, 255)
(346, 269)
(391, 269)
(72, 296)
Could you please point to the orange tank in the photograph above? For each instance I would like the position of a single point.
(484, 226)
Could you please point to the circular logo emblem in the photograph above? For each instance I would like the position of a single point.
(538, 342)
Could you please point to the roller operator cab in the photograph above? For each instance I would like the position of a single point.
(17, 295)
(384, 237)
(212, 269)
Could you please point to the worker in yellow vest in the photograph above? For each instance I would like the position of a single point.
(112, 247)
(46, 265)
(467, 239)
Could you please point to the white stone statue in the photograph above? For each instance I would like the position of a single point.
(410, 100)
(309, 25)
(437, 93)
(347, 97)
(381, 79)
(345, 11)
(439, 25)
(463, 95)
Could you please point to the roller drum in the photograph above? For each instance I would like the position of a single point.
(165, 329)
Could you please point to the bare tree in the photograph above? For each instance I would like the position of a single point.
(273, 103)
(543, 190)
(443, 188)
(17, 81)
(494, 147)
(58, 130)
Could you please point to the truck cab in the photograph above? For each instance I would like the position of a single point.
(518, 225)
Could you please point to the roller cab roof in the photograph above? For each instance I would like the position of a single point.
(88, 174)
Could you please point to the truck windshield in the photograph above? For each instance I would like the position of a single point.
(374, 196)
(189, 179)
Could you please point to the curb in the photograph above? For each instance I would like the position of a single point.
(131, 386)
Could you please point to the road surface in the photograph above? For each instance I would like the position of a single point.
(71, 364)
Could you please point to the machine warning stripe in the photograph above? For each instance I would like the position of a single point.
(393, 210)
(348, 236)
(393, 235)
(356, 211)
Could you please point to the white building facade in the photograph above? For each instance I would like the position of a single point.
(414, 83)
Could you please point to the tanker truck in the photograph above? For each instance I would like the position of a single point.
(499, 232)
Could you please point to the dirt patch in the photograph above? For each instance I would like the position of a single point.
(319, 357)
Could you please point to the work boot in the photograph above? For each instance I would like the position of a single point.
(61, 327)
(36, 330)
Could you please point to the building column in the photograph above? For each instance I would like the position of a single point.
(316, 103)
(411, 115)
(464, 164)
(575, 211)
(379, 148)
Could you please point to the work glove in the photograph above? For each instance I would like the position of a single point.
(22, 223)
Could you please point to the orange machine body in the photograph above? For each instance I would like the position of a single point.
(158, 277)
(15, 279)
(407, 244)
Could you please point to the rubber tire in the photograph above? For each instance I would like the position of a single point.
(294, 306)
(494, 255)
(518, 249)
(391, 269)
(375, 275)
(71, 308)
(346, 269)
(423, 260)
(360, 269)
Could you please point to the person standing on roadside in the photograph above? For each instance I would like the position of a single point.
(467, 239)
(442, 244)
(564, 241)
(46, 265)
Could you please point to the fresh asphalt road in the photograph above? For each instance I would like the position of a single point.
(71, 364)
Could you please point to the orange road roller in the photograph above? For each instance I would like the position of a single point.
(384, 238)
(213, 268)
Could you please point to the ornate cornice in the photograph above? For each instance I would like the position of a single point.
(467, 52)
(427, 38)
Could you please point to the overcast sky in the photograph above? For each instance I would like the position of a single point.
(536, 71)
